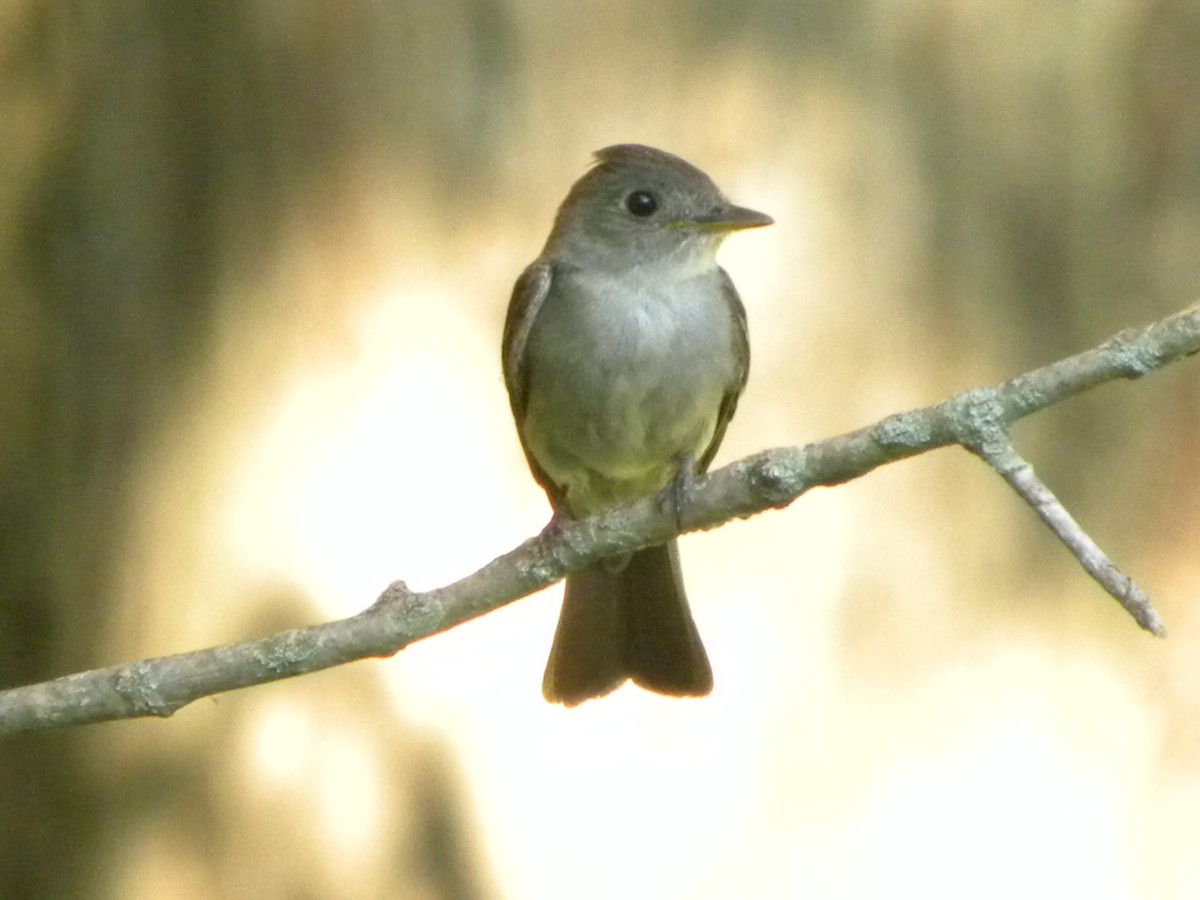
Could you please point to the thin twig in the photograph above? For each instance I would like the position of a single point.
(1021, 477)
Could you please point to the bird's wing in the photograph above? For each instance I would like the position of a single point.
(528, 294)
(741, 338)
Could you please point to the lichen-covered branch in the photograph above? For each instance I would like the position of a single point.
(977, 419)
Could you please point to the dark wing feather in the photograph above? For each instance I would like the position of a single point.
(528, 294)
(741, 337)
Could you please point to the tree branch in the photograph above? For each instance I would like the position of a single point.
(976, 419)
(1019, 474)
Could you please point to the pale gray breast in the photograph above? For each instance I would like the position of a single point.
(627, 375)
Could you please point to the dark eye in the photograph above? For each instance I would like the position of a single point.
(641, 204)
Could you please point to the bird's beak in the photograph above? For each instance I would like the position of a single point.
(727, 218)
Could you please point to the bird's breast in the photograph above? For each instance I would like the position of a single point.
(626, 377)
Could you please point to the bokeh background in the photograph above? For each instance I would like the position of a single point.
(254, 261)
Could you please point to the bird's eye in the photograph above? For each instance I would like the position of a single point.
(641, 204)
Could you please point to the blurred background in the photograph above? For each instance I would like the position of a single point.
(254, 262)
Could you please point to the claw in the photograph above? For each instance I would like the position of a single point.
(675, 496)
(553, 528)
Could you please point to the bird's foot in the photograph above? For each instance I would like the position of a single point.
(675, 497)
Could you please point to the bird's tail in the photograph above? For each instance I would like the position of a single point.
(627, 621)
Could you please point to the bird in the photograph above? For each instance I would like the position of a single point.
(624, 353)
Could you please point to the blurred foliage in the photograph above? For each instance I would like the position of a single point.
(1015, 182)
(149, 151)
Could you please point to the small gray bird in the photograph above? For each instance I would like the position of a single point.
(624, 353)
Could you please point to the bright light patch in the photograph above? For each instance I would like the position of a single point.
(1008, 815)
